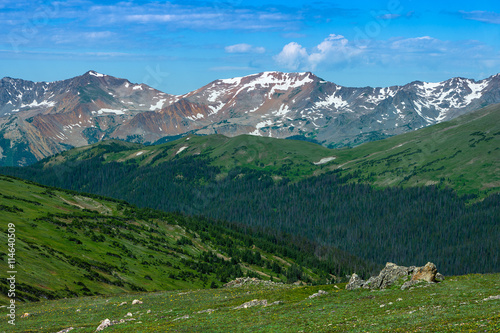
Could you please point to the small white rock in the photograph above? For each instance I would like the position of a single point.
(105, 323)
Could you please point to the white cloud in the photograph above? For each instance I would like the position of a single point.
(482, 16)
(334, 49)
(98, 34)
(179, 16)
(424, 44)
(292, 56)
(389, 16)
(244, 48)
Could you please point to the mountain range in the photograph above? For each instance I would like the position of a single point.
(43, 118)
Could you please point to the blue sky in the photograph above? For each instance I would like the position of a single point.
(178, 46)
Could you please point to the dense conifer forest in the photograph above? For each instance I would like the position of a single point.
(408, 226)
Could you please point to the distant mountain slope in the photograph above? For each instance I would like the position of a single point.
(41, 119)
(285, 104)
(463, 154)
(71, 244)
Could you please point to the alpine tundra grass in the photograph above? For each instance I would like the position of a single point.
(458, 304)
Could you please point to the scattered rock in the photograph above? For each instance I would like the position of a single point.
(392, 273)
(148, 312)
(299, 283)
(122, 303)
(319, 293)
(128, 314)
(136, 301)
(183, 317)
(104, 324)
(275, 303)
(25, 315)
(66, 330)
(206, 311)
(254, 302)
(491, 298)
(239, 282)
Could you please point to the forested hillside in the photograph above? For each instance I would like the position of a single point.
(69, 244)
(404, 225)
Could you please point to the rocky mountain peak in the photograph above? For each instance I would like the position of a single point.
(95, 106)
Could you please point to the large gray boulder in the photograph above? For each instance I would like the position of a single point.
(392, 273)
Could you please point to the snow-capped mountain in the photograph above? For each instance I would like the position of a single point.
(43, 118)
(283, 105)
(40, 119)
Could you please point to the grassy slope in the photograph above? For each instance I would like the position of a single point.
(462, 154)
(242, 151)
(94, 245)
(455, 305)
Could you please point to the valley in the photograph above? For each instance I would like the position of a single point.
(420, 186)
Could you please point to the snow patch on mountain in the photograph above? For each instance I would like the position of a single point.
(96, 74)
(264, 124)
(476, 89)
(181, 149)
(283, 110)
(216, 109)
(35, 104)
(332, 100)
(233, 81)
(158, 105)
(197, 116)
(325, 160)
(118, 112)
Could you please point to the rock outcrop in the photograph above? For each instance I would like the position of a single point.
(246, 281)
(392, 273)
(319, 293)
(251, 303)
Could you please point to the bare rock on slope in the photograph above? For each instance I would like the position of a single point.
(392, 273)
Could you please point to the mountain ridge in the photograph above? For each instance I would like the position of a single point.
(40, 119)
